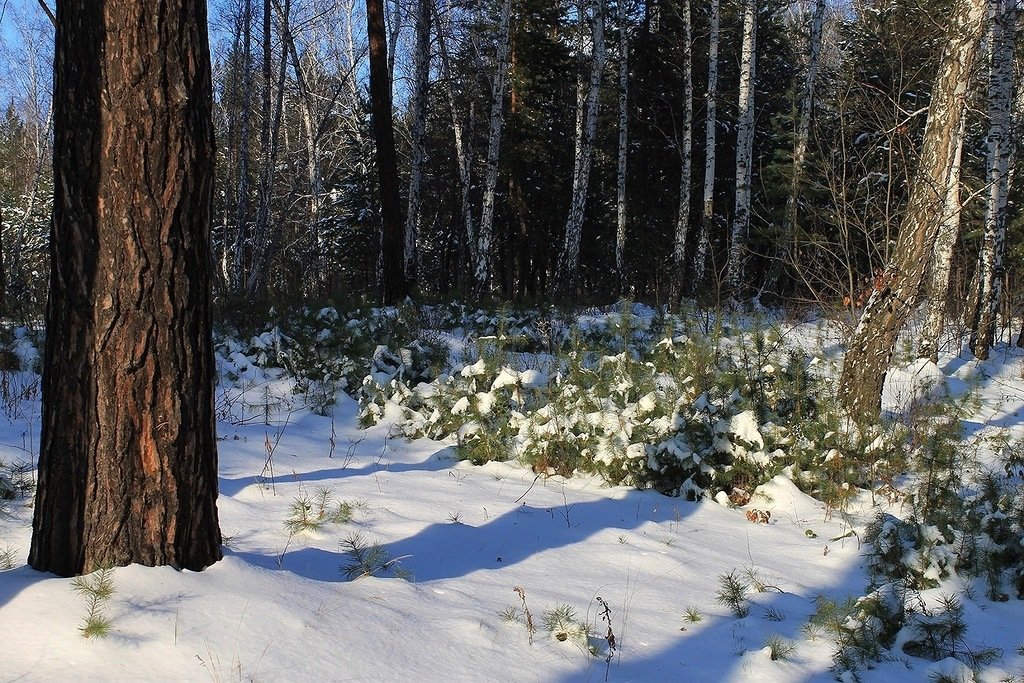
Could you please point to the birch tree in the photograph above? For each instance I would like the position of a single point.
(686, 162)
(987, 290)
(482, 267)
(568, 262)
(420, 82)
(264, 235)
(707, 219)
(744, 151)
(463, 152)
(937, 280)
(623, 148)
(898, 290)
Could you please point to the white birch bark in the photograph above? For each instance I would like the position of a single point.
(937, 281)
(620, 172)
(570, 255)
(989, 277)
(710, 134)
(482, 268)
(686, 162)
(421, 76)
(463, 156)
(744, 151)
(889, 306)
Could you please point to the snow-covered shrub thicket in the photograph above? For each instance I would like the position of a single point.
(646, 400)
(960, 529)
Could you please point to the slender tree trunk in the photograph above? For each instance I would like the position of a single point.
(393, 285)
(3, 269)
(463, 156)
(265, 237)
(128, 456)
(394, 31)
(707, 219)
(744, 152)
(989, 276)
(791, 217)
(569, 258)
(937, 281)
(482, 267)
(685, 165)
(421, 77)
(620, 172)
(893, 300)
(238, 269)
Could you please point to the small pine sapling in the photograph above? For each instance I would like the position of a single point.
(732, 593)
(97, 588)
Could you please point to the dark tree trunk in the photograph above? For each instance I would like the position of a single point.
(392, 275)
(894, 298)
(128, 457)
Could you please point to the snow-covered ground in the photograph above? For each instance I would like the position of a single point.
(469, 551)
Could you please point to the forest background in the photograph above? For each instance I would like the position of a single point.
(553, 151)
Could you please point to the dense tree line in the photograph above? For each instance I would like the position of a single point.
(656, 149)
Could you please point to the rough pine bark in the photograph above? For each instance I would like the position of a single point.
(393, 285)
(420, 83)
(128, 456)
(685, 165)
(988, 282)
(898, 291)
(744, 152)
(707, 219)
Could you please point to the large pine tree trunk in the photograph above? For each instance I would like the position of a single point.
(420, 83)
(744, 152)
(128, 457)
(569, 259)
(685, 165)
(989, 276)
(620, 169)
(893, 300)
(393, 285)
(707, 219)
(482, 266)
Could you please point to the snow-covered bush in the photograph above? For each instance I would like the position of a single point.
(684, 414)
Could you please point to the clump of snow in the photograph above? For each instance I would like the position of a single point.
(920, 381)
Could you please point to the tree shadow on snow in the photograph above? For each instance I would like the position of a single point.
(437, 461)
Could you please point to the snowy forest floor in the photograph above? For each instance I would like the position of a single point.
(462, 560)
